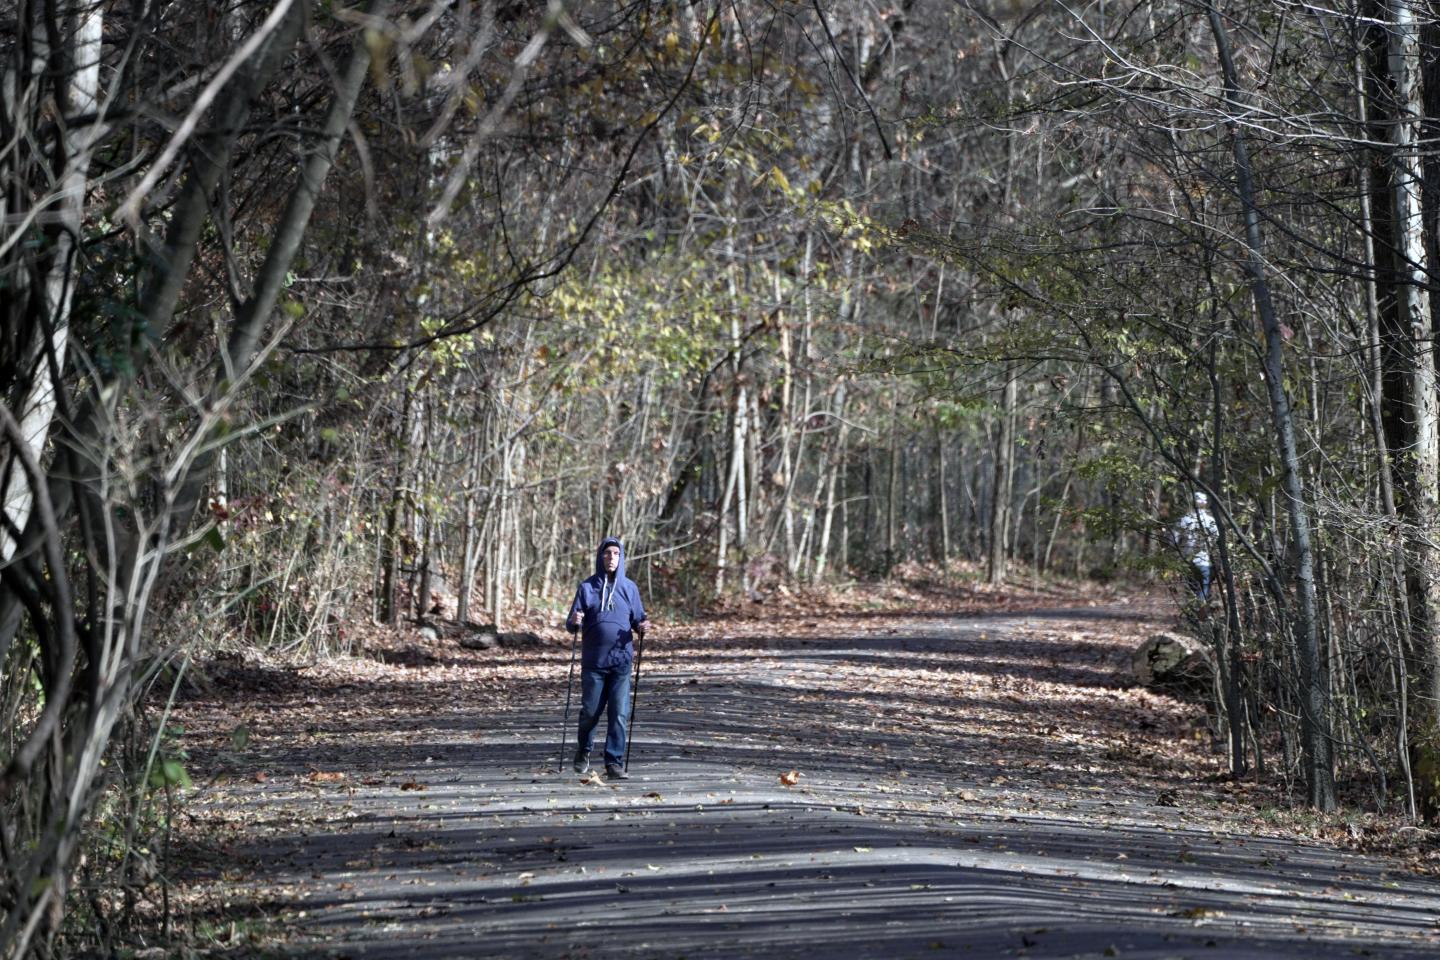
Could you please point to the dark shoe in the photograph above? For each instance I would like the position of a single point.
(582, 761)
(615, 772)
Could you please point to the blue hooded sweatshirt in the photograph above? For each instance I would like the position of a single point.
(611, 607)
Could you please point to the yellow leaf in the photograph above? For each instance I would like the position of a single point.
(379, 45)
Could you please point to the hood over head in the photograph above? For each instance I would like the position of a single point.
(600, 557)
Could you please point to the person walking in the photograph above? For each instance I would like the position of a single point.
(1193, 534)
(608, 610)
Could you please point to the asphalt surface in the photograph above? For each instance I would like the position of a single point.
(893, 842)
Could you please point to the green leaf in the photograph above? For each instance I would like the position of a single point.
(170, 773)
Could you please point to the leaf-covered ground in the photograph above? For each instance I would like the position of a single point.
(890, 773)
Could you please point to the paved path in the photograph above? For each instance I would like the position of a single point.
(921, 826)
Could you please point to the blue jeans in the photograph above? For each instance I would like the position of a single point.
(600, 689)
(1200, 580)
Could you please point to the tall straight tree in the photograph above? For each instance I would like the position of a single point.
(1002, 490)
(1411, 380)
(1319, 766)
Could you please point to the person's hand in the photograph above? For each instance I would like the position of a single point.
(572, 623)
(641, 627)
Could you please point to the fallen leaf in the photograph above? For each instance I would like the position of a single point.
(1196, 913)
(325, 776)
(791, 778)
(862, 849)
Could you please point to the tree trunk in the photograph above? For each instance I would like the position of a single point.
(469, 549)
(35, 407)
(1314, 680)
(390, 545)
(892, 497)
(254, 315)
(837, 467)
(1000, 492)
(500, 554)
(1374, 359)
(1418, 462)
(735, 481)
(942, 493)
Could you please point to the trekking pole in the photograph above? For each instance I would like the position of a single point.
(569, 688)
(634, 695)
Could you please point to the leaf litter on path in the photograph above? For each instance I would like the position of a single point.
(895, 726)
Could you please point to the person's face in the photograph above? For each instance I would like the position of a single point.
(611, 557)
